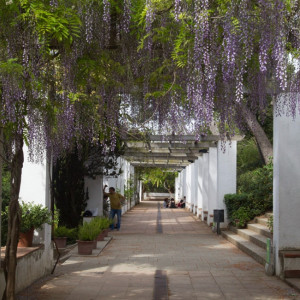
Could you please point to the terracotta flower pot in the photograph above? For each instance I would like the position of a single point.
(101, 236)
(105, 231)
(85, 247)
(61, 242)
(25, 238)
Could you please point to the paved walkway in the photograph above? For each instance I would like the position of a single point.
(162, 254)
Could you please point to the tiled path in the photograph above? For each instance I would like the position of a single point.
(162, 254)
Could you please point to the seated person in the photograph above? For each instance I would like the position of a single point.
(179, 204)
(165, 204)
(172, 203)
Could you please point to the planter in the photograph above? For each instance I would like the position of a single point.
(101, 236)
(105, 231)
(61, 242)
(85, 247)
(25, 238)
(95, 244)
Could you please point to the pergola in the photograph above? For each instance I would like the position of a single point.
(172, 151)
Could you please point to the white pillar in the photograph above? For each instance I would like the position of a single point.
(199, 186)
(184, 184)
(177, 188)
(286, 200)
(35, 187)
(188, 188)
(226, 175)
(94, 187)
(212, 182)
(194, 186)
(205, 186)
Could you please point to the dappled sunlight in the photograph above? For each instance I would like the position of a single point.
(191, 262)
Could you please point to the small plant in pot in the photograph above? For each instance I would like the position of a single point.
(87, 235)
(34, 216)
(61, 234)
(102, 224)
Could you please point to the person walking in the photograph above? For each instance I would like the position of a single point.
(116, 200)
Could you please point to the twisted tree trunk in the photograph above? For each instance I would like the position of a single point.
(264, 145)
(14, 218)
(1, 169)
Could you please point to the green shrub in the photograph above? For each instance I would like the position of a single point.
(234, 201)
(242, 216)
(33, 215)
(101, 222)
(70, 233)
(248, 157)
(61, 231)
(259, 185)
(4, 226)
(88, 231)
(242, 207)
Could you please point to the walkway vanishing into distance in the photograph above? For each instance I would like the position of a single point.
(161, 254)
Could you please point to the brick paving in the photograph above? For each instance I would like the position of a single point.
(161, 254)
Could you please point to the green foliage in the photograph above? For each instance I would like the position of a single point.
(101, 222)
(61, 24)
(234, 201)
(88, 231)
(259, 185)
(129, 190)
(5, 188)
(68, 185)
(248, 157)
(241, 216)
(4, 226)
(33, 215)
(70, 233)
(61, 231)
(157, 179)
(255, 197)
(241, 207)
(270, 223)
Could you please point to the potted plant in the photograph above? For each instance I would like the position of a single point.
(102, 224)
(34, 216)
(87, 235)
(61, 234)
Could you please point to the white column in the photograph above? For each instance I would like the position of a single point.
(194, 186)
(286, 200)
(94, 187)
(226, 175)
(35, 187)
(199, 186)
(184, 185)
(188, 187)
(177, 188)
(205, 170)
(212, 182)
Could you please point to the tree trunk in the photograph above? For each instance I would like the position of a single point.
(14, 218)
(1, 169)
(263, 143)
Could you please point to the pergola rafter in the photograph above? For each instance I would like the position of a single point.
(172, 151)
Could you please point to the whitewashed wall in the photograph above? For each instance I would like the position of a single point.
(286, 200)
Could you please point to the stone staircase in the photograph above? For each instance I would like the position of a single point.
(253, 239)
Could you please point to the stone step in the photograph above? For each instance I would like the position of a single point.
(262, 221)
(256, 252)
(261, 229)
(252, 236)
(269, 214)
